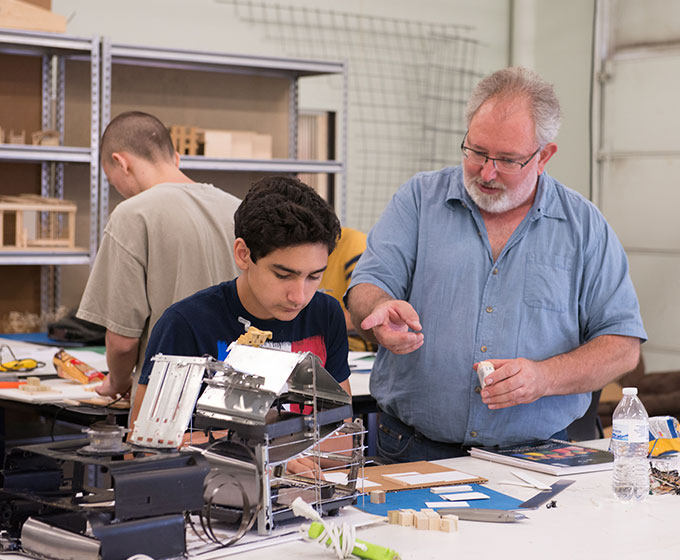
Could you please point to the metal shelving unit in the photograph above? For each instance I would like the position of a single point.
(293, 69)
(54, 50)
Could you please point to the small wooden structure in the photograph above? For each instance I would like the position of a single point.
(185, 139)
(54, 223)
(234, 144)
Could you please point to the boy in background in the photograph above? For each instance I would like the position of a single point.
(338, 275)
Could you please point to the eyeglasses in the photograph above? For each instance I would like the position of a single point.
(501, 164)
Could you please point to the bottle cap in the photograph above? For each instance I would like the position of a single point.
(630, 391)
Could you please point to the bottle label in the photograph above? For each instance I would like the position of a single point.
(630, 430)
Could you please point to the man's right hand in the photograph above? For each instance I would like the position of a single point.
(390, 322)
(109, 388)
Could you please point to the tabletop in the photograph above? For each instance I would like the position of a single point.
(588, 522)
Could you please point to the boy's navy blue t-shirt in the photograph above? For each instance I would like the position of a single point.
(207, 322)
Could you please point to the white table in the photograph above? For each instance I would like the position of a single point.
(587, 523)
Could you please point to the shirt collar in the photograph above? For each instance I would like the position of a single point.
(547, 203)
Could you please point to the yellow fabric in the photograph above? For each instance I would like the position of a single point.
(338, 274)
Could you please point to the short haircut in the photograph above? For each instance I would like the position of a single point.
(280, 212)
(140, 134)
(519, 82)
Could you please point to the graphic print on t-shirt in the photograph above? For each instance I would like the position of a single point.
(313, 344)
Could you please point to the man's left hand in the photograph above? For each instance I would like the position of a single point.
(516, 381)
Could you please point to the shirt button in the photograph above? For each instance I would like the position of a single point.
(489, 309)
(473, 433)
(495, 271)
(478, 389)
(483, 348)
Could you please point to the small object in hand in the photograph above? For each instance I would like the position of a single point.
(483, 370)
(551, 504)
(378, 497)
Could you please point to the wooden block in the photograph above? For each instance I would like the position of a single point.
(406, 518)
(448, 523)
(217, 144)
(432, 517)
(242, 144)
(262, 146)
(33, 385)
(378, 497)
(393, 517)
(421, 521)
(22, 15)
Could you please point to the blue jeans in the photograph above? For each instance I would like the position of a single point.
(399, 443)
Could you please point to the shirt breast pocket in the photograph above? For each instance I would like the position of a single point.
(548, 283)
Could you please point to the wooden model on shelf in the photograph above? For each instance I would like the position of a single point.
(45, 138)
(236, 144)
(185, 139)
(16, 137)
(30, 222)
(233, 144)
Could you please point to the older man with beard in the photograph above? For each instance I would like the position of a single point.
(493, 260)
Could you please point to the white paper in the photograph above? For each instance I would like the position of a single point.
(531, 480)
(447, 489)
(341, 478)
(274, 365)
(401, 474)
(361, 361)
(435, 505)
(465, 496)
(430, 478)
(61, 389)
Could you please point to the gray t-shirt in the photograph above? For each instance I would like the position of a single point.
(159, 247)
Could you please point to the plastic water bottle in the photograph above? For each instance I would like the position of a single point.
(630, 445)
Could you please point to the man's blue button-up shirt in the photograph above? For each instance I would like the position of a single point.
(561, 280)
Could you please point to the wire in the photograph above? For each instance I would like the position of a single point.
(342, 539)
(19, 365)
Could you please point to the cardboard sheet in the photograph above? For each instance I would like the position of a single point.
(429, 475)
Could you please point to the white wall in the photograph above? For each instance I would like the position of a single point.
(554, 38)
(211, 25)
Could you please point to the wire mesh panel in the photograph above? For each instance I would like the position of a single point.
(408, 84)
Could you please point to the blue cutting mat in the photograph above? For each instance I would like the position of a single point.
(415, 499)
(41, 338)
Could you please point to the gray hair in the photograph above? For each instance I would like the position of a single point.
(521, 82)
